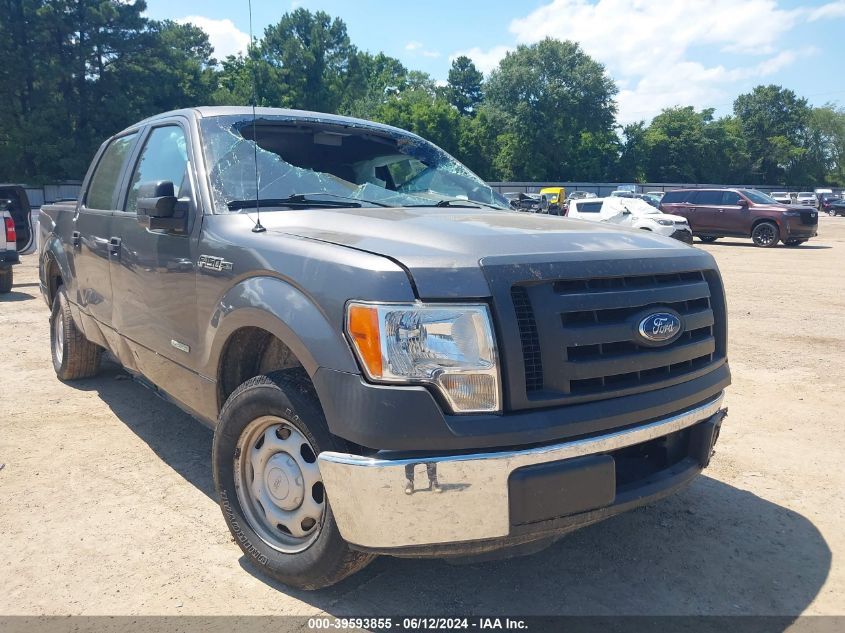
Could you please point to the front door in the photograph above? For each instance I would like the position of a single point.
(91, 232)
(155, 278)
(731, 217)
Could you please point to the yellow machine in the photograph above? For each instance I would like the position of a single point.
(556, 196)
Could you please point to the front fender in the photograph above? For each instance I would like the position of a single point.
(286, 312)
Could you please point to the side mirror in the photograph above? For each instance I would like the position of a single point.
(743, 203)
(157, 199)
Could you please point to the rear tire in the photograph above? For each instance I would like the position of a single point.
(708, 239)
(266, 519)
(765, 235)
(73, 355)
(6, 280)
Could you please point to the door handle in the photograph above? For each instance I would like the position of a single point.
(721, 210)
(76, 239)
(114, 246)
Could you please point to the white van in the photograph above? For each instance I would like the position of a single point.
(633, 212)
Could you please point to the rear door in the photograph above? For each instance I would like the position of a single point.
(154, 279)
(585, 210)
(91, 230)
(675, 202)
(702, 210)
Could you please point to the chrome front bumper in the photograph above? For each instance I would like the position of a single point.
(395, 503)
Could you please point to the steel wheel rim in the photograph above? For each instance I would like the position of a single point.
(59, 337)
(278, 484)
(765, 235)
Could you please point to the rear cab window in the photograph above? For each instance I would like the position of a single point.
(106, 178)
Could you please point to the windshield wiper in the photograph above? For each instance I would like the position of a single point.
(303, 200)
(457, 203)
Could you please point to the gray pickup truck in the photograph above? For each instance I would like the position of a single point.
(393, 362)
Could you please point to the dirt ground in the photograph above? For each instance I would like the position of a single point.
(106, 496)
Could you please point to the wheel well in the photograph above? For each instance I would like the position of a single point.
(53, 278)
(761, 220)
(250, 352)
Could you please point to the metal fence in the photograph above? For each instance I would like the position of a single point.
(602, 189)
(50, 193)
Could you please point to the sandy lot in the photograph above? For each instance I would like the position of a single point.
(106, 497)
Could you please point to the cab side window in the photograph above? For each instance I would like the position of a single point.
(707, 198)
(107, 173)
(730, 198)
(588, 207)
(164, 157)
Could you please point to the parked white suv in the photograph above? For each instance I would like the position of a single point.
(633, 212)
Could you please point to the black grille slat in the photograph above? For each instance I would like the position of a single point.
(639, 360)
(631, 298)
(585, 330)
(594, 333)
(529, 339)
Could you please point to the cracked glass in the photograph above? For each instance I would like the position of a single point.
(276, 157)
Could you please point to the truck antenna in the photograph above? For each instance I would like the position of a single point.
(258, 228)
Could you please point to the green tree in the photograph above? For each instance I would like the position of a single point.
(774, 124)
(559, 111)
(465, 85)
(430, 116)
(311, 55)
(826, 143)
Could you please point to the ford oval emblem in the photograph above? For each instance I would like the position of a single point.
(660, 328)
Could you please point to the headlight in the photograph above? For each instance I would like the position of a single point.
(450, 346)
(666, 222)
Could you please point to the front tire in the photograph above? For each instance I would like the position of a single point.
(74, 356)
(6, 280)
(269, 434)
(765, 235)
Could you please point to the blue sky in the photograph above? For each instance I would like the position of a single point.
(660, 52)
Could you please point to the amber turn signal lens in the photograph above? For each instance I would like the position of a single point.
(363, 327)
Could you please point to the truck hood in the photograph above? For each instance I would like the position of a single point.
(444, 250)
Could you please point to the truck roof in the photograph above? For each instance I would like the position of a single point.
(204, 112)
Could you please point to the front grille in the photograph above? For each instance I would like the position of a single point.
(578, 335)
(809, 217)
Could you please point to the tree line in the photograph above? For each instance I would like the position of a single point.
(74, 72)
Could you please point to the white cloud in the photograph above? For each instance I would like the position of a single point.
(225, 37)
(417, 48)
(827, 11)
(648, 45)
(484, 60)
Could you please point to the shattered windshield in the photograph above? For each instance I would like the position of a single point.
(313, 157)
